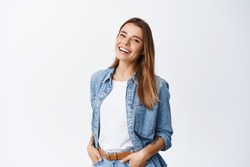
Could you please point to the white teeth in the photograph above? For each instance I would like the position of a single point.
(124, 50)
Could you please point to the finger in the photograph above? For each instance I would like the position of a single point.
(127, 158)
(99, 157)
(95, 161)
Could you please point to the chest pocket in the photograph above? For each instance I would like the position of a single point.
(145, 121)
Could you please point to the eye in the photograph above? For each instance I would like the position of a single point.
(122, 35)
(136, 40)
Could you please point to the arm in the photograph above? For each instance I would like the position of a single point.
(164, 123)
(92, 151)
(140, 158)
(163, 132)
(154, 147)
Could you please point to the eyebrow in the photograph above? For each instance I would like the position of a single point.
(132, 36)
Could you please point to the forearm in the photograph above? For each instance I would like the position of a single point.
(92, 151)
(91, 141)
(154, 147)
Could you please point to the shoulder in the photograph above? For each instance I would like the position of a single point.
(161, 82)
(162, 88)
(102, 74)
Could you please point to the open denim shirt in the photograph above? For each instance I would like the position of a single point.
(143, 124)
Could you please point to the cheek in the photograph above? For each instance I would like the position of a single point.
(139, 50)
(116, 44)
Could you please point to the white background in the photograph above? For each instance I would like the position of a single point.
(49, 49)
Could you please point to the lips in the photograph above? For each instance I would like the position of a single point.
(124, 50)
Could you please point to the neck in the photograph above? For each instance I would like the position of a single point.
(123, 73)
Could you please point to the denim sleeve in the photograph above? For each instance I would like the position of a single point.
(92, 94)
(164, 123)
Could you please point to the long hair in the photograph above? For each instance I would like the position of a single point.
(145, 73)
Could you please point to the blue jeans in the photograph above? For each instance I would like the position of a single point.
(106, 163)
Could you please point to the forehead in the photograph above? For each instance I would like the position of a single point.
(132, 30)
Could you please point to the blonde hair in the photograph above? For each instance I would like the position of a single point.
(146, 91)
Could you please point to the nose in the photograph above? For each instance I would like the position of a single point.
(126, 42)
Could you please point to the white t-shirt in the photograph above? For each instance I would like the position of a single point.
(114, 135)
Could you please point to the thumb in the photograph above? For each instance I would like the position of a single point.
(127, 158)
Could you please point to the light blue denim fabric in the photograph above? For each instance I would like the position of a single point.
(106, 163)
(143, 124)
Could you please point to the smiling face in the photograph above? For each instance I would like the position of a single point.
(129, 43)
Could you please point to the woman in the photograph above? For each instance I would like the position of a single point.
(131, 119)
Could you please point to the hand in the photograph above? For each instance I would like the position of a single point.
(94, 154)
(137, 159)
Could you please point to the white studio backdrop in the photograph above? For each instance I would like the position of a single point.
(50, 48)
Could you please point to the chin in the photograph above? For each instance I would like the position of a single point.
(121, 57)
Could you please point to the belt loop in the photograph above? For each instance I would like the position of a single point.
(108, 157)
(116, 156)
